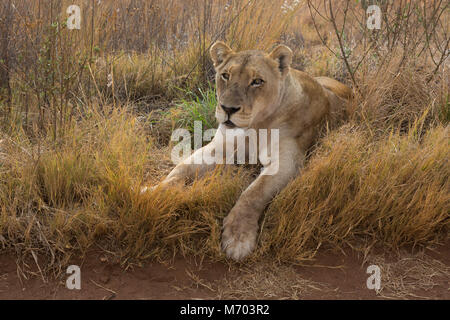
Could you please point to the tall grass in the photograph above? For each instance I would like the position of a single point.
(137, 51)
(87, 116)
(354, 191)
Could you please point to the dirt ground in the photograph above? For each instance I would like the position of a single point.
(423, 275)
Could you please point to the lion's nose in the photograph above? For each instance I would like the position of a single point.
(230, 110)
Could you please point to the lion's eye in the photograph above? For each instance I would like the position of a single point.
(257, 82)
(225, 76)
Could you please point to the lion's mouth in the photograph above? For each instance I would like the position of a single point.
(229, 124)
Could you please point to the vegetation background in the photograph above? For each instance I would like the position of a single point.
(86, 117)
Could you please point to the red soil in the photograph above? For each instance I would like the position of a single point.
(103, 280)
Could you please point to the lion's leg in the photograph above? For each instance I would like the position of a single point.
(241, 225)
(188, 169)
(197, 164)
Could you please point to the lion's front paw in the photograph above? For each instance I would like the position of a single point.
(238, 238)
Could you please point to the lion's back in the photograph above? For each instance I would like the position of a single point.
(338, 88)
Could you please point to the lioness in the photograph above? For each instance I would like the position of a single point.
(257, 90)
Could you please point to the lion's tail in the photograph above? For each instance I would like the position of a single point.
(338, 88)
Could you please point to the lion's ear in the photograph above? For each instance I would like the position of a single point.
(283, 55)
(219, 52)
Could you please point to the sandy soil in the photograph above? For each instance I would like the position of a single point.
(331, 276)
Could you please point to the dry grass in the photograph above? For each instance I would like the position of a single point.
(138, 51)
(69, 198)
(357, 192)
(65, 199)
(69, 180)
(390, 99)
(268, 281)
(411, 276)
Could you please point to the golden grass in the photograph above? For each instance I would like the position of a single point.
(361, 193)
(396, 98)
(83, 193)
(383, 179)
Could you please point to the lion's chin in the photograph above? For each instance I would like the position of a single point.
(229, 124)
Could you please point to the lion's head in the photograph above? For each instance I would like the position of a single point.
(249, 83)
